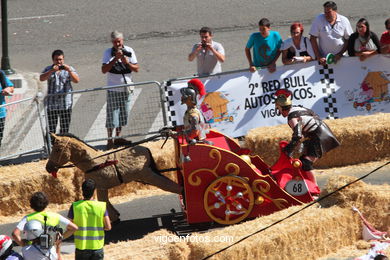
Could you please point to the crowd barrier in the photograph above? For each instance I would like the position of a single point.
(24, 129)
(27, 121)
(236, 102)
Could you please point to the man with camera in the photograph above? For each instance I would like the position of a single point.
(52, 221)
(209, 54)
(118, 62)
(59, 78)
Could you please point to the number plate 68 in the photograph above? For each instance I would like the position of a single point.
(296, 188)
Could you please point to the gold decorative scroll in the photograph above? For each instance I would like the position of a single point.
(262, 187)
(230, 168)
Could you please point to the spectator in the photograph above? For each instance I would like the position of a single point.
(92, 218)
(363, 42)
(38, 202)
(118, 62)
(332, 31)
(7, 88)
(297, 48)
(209, 54)
(37, 249)
(59, 78)
(385, 38)
(6, 252)
(266, 44)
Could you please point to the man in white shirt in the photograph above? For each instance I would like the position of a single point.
(332, 31)
(118, 62)
(209, 54)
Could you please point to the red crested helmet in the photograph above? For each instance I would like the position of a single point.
(5, 243)
(283, 99)
(195, 87)
(199, 87)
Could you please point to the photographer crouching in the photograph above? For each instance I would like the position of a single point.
(118, 62)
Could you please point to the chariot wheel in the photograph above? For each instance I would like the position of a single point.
(228, 200)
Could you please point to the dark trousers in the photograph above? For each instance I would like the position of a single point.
(63, 115)
(2, 124)
(89, 254)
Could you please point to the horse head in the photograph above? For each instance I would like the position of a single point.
(60, 153)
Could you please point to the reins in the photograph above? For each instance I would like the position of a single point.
(112, 152)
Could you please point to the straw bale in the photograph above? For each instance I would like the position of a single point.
(362, 138)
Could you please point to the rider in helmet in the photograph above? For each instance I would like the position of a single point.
(309, 130)
(195, 127)
(6, 252)
(34, 231)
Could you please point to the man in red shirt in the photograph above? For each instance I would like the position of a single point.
(385, 38)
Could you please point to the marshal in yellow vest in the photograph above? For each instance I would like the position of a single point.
(88, 216)
(53, 219)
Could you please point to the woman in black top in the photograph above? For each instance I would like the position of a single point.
(363, 42)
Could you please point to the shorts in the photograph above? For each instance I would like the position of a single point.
(117, 108)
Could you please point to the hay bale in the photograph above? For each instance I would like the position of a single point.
(18, 182)
(362, 138)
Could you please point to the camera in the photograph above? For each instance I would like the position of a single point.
(61, 67)
(204, 45)
(124, 51)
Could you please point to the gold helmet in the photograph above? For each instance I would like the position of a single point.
(283, 99)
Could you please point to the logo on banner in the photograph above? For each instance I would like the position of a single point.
(372, 93)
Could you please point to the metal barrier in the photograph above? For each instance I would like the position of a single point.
(87, 119)
(23, 131)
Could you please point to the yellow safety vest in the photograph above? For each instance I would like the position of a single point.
(53, 219)
(88, 216)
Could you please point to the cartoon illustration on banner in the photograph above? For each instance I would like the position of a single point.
(215, 109)
(372, 94)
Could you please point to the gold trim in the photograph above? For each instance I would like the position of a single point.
(230, 168)
(214, 154)
(262, 190)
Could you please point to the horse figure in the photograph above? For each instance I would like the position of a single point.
(108, 171)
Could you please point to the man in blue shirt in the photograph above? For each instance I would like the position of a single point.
(6, 89)
(266, 45)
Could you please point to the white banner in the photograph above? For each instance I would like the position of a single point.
(240, 101)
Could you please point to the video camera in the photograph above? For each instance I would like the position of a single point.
(46, 240)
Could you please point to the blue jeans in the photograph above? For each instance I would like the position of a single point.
(89, 254)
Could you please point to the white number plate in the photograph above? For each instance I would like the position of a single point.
(296, 188)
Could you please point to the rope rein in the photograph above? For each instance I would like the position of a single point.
(112, 152)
